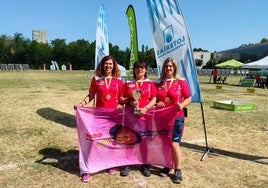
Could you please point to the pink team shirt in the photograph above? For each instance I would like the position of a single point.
(173, 91)
(146, 88)
(107, 90)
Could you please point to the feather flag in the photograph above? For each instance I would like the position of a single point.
(171, 39)
(102, 41)
(133, 35)
(102, 44)
(111, 138)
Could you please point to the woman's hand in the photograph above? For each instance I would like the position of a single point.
(83, 103)
(160, 105)
(119, 106)
(143, 110)
(179, 106)
(75, 106)
(135, 103)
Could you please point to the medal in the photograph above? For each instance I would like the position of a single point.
(108, 97)
(167, 99)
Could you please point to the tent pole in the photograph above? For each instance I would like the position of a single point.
(208, 149)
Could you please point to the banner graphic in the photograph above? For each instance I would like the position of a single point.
(102, 44)
(171, 39)
(112, 138)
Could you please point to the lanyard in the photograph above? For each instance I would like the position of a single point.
(108, 83)
(137, 84)
(170, 84)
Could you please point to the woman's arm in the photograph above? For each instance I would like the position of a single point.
(148, 106)
(184, 103)
(85, 101)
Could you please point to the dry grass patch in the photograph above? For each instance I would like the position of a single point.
(39, 140)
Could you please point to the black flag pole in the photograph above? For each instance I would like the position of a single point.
(208, 149)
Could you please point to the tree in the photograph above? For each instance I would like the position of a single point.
(81, 54)
(198, 62)
(6, 48)
(21, 46)
(60, 52)
(263, 40)
(40, 54)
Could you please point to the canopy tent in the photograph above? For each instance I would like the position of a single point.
(122, 70)
(259, 64)
(230, 64)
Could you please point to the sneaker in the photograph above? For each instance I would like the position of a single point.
(111, 171)
(145, 170)
(85, 178)
(164, 172)
(177, 176)
(125, 171)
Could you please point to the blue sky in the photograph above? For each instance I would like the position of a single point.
(213, 25)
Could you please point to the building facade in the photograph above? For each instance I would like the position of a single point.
(204, 57)
(39, 36)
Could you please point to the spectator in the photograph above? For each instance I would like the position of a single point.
(215, 75)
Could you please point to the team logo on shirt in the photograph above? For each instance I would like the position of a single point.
(101, 83)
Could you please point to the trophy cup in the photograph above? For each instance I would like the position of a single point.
(136, 95)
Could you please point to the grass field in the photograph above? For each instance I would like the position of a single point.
(39, 140)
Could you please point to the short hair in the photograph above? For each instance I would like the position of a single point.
(139, 64)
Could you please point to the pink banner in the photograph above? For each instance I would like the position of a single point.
(112, 138)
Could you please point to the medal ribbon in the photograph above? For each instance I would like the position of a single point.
(137, 84)
(170, 84)
(108, 83)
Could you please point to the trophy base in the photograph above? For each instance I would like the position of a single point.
(136, 111)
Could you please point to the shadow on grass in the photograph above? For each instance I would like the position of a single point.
(66, 161)
(214, 151)
(57, 116)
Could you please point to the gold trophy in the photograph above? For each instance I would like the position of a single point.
(136, 95)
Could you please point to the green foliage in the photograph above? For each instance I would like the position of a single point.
(263, 40)
(80, 53)
(198, 62)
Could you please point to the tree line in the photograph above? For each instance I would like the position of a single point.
(80, 53)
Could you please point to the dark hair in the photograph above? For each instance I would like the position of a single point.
(100, 68)
(139, 64)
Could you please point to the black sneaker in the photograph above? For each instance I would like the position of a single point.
(125, 171)
(164, 172)
(177, 176)
(145, 170)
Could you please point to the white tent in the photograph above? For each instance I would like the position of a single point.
(122, 70)
(259, 64)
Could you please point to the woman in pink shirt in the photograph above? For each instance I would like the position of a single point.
(173, 90)
(139, 92)
(106, 85)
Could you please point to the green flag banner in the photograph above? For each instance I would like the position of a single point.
(133, 36)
